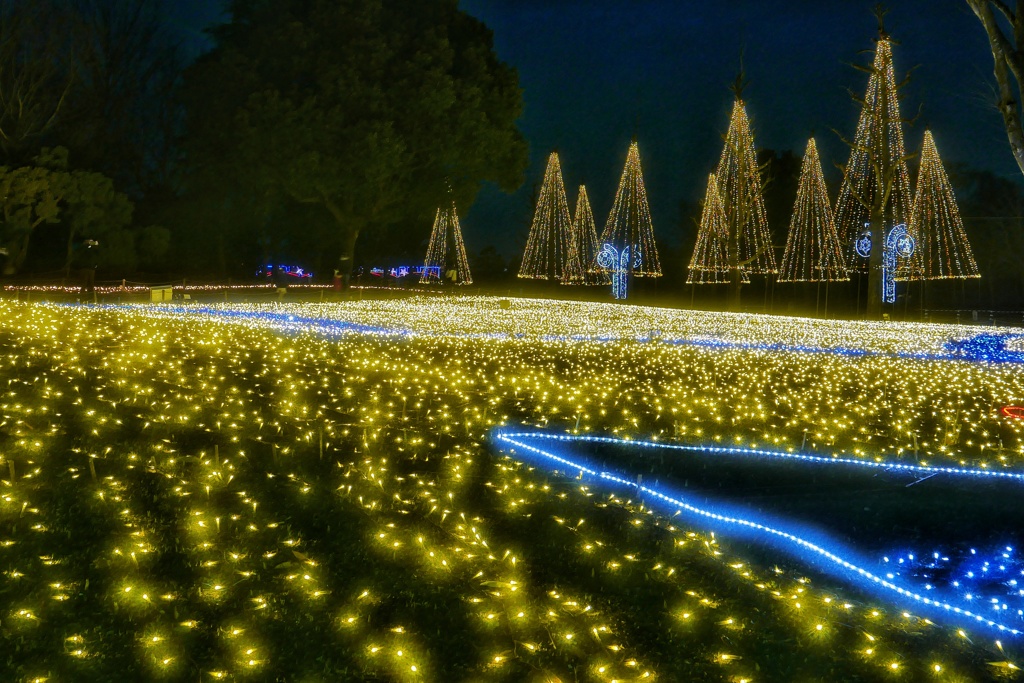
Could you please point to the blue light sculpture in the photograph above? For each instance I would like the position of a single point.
(617, 264)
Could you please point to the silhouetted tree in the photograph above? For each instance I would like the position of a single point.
(121, 116)
(90, 81)
(83, 203)
(35, 77)
(360, 108)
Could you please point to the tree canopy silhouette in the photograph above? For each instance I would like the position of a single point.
(366, 109)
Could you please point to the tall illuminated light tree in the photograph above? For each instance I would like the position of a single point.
(875, 194)
(446, 251)
(549, 245)
(739, 184)
(629, 223)
(585, 243)
(575, 272)
(935, 221)
(813, 250)
(710, 261)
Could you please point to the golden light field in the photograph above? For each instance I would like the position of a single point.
(230, 494)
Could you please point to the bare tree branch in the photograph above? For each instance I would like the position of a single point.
(763, 249)
(34, 78)
(1007, 61)
(1005, 9)
(849, 186)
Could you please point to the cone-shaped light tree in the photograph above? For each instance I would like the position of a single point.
(585, 243)
(446, 252)
(549, 244)
(739, 184)
(710, 261)
(629, 223)
(575, 272)
(875, 194)
(935, 221)
(813, 251)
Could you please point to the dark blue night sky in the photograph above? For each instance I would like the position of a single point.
(187, 19)
(597, 72)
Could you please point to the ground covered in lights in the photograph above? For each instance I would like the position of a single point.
(311, 492)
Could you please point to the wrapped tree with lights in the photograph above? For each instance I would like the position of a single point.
(875, 194)
(549, 246)
(739, 184)
(936, 224)
(446, 252)
(710, 261)
(629, 224)
(585, 244)
(813, 250)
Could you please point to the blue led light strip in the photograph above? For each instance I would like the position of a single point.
(758, 452)
(517, 443)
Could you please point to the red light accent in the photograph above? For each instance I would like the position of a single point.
(1014, 411)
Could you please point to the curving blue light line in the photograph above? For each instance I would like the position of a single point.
(518, 444)
(760, 452)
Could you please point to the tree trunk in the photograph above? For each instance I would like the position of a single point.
(17, 254)
(9, 255)
(734, 302)
(70, 252)
(877, 225)
(350, 230)
(877, 228)
(347, 257)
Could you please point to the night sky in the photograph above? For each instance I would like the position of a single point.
(597, 72)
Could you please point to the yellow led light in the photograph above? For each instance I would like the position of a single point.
(446, 252)
(437, 496)
(813, 251)
(935, 221)
(878, 143)
(629, 222)
(550, 254)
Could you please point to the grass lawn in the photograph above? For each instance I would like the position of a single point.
(310, 492)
